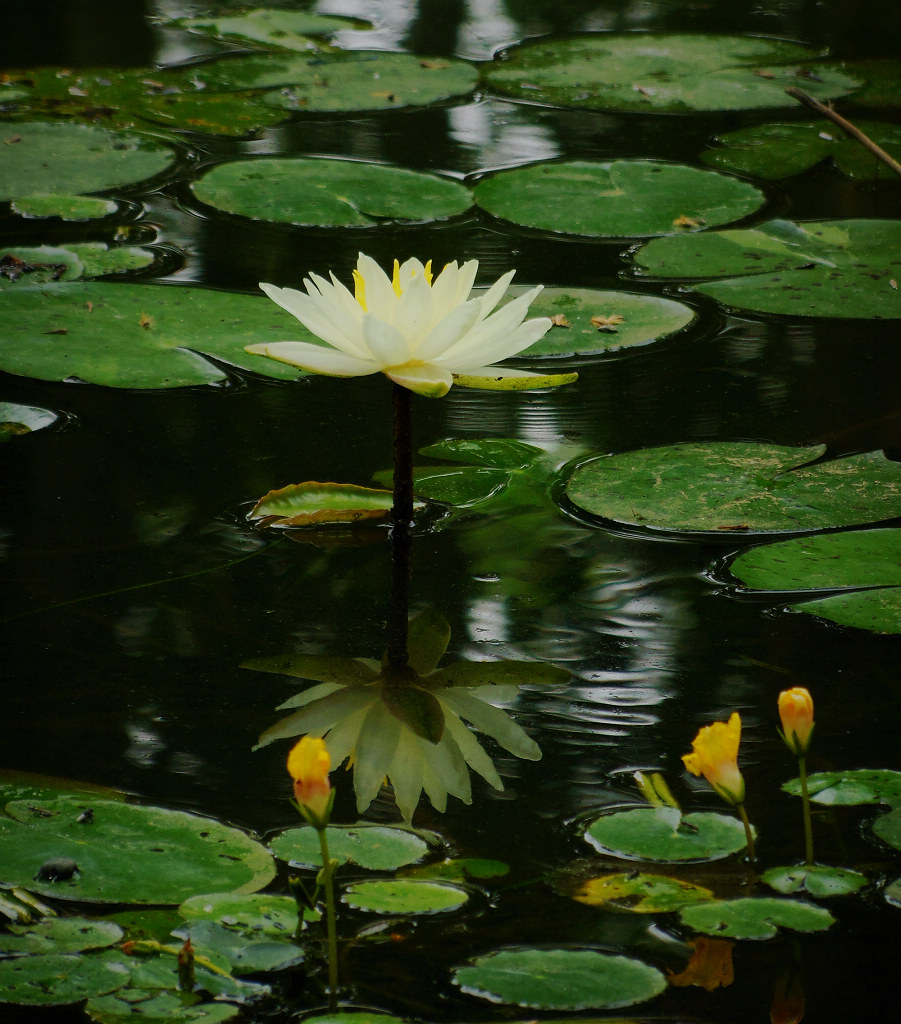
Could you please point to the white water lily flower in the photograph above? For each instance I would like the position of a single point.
(423, 333)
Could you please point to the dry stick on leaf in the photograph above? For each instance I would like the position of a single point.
(846, 126)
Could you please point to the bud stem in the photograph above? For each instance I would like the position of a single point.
(749, 838)
(328, 872)
(805, 798)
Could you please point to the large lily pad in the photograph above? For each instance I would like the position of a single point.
(56, 979)
(588, 321)
(657, 73)
(755, 917)
(330, 193)
(645, 834)
(59, 935)
(617, 199)
(850, 561)
(739, 488)
(560, 979)
(376, 847)
(841, 268)
(779, 150)
(41, 157)
(135, 336)
(125, 853)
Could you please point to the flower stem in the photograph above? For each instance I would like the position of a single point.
(805, 799)
(401, 521)
(331, 931)
(749, 838)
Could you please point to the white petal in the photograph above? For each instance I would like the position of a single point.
(425, 379)
(380, 296)
(339, 331)
(449, 330)
(414, 315)
(486, 334)
(508, 344)
(315, 358)
(496, 292)
(386, 343)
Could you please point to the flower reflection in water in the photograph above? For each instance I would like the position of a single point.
(410, 724)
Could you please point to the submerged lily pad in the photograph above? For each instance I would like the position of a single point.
(588, 321)
(322, 192)
(737, 488)
(288, 30)
(40, 264)
(375, 847)
(779, 150)
(42, 157)
(136, 336)
(560, 979)
(644, 834)
(66, 207)
(404, 896)
(818, 880)
(840, 268)
(857, 559)
(641, 893)
(663, 73)
(617, 199)
(755, 917)
(125, 853)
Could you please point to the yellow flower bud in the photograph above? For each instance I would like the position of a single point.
(714, 755)
(796, 714)
(308, 765)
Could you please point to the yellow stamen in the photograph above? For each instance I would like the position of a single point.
(427, 273)
(395, 280)
(360, 289)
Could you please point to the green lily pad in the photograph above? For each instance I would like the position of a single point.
(354, 1017)
(41, 157)
(329, 193)
(16, 420)
(617, 199)
(644, 834)
(288, 30)
(888, 828)
(882, 78)
(623, 320)
(135, 336)
(737, 488)
(850, 788)
(154, 1007)
(774, 151)
(856, 559)
(641, 893)
(126, 853)
(460, 869)
(373, 80)
(374, 847)
(253, 914)
(841, 268)
(818, 880)
(56, 979)
(59, 935)
(66, 207)
(755, 917)
(404, 896)
(244, 952)
(892, 893)
(41, 264)
(663, 73)
(313, 503)
(560, 979)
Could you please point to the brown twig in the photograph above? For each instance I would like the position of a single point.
(849, 129)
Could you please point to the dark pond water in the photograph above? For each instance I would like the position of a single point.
(134, 589)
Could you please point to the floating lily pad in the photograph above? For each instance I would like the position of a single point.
(621, 320)
(136, 336)
(254, 914)
(373, 80)
(288, 30)
(312, 503)
(841, 268)
(329, 193)
(779, 150)
(155, 1007)
(882, 78)
(66, 207)
(44, 263)
(644, 834)
(856, 559)
(560, 979)
(460, 869)
(618, 199)
(59, 935)
(641, 893)
(663, 73)
(40, 157)
(16, 420)
(126, 853)
(375, 847)
(354, 1017)
(818, 880)
(244, 952)
(888, 828)
(737, 488)
(892, 893)
(755, 917)
(849, 788)
(404, 896)
(56, 979)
